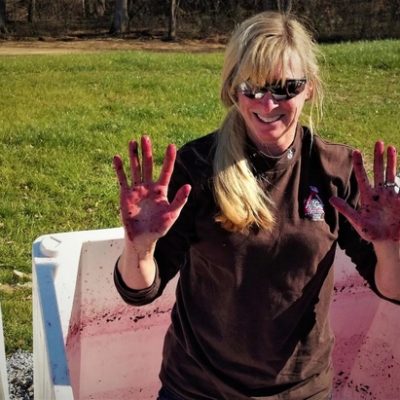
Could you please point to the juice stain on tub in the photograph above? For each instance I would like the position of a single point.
(379, 385)
(116, 354)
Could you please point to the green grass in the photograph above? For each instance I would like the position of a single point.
(63, 117)
(363, 93)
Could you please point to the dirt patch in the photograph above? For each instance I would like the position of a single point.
(67, 46)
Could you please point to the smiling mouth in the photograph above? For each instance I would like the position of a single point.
(268, 120)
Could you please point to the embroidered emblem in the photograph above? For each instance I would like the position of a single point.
(313, 205)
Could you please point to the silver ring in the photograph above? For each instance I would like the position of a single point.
(390, 184)
(395, 185)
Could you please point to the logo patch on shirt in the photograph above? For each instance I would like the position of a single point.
(313, 205)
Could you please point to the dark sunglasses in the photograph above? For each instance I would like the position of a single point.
(278, 91)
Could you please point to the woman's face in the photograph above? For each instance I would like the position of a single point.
(272, 123)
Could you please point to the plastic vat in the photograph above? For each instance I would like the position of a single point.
(88, 344)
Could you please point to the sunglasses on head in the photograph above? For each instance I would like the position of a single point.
(279, 91)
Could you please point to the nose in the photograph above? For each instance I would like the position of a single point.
(268, 101)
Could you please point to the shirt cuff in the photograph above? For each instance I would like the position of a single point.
(136, 296)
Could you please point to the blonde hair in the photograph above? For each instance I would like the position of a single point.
(260, 46)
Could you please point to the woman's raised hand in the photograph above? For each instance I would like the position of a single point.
(146, 212)
(378, 218)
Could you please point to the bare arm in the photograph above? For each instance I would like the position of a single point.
(146, 212)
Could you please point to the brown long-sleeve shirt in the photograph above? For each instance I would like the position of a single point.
(251, 314)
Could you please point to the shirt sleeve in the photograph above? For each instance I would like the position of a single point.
(134, 296)
(171, 250)
(360, 251)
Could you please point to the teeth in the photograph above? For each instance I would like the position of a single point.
(266, 119)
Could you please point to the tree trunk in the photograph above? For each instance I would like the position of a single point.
(121, 19)
(285, 5)
(3, 18)
(95, 8)
(32, 11)
(172, 20)
(232, 9)
(281, 5)
(100, 7)
(268, 5)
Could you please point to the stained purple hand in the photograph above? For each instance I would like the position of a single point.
(378, 218)
(146, 212)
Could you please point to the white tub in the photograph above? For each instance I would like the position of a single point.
(3, 366)
(88, 344)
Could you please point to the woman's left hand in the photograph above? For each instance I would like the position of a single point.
(378, 218)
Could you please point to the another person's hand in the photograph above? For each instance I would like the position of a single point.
(146, 212)
(378, 218)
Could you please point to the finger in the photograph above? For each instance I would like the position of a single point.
(361, 174)
(379, 150)
(147, 157)
(119, 170)
(135, 163)
(180, 198)
(168, 165)
(344, 208)
(391, 164)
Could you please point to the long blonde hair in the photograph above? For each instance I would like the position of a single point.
(260, 46)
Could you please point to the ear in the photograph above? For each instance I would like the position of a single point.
(309, 90)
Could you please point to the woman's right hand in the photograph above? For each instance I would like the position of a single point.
(146, 212)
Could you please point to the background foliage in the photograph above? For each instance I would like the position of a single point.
(331, 19)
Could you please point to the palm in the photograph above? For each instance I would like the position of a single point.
(379, 215)
(378, 218)
(145, 210)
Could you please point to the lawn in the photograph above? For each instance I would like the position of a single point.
(63, 117)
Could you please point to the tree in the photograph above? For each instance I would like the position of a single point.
(95, 8)
(173, 5)
(269, 5)
(120, 22)
(3, 16)
(32, 11)
(285, 5)
(281, 5)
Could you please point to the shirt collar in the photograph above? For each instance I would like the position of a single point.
(261, 162)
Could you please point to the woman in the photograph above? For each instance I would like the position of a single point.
(257, 209)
